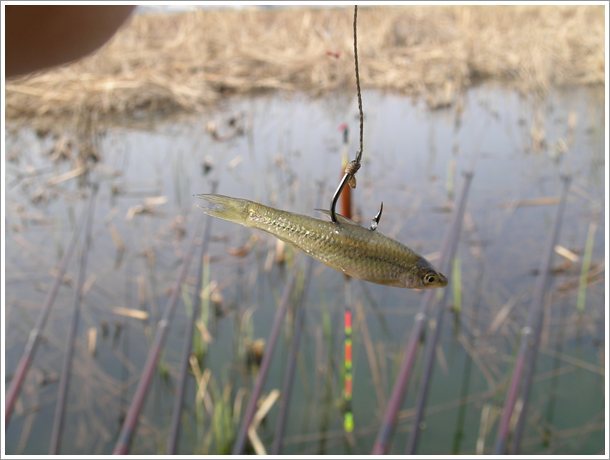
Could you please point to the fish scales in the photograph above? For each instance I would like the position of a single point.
(344, 246)
(333, 244)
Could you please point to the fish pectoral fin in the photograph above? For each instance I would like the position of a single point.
(340, 218)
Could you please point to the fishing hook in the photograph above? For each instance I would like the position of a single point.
(349, 177)
(336, 196)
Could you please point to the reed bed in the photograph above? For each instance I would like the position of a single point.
(167, 63)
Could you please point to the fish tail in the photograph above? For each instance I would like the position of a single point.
(227, 208)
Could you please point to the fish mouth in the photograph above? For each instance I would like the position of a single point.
(442, 280)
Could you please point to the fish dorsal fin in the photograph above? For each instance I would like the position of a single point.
(340, 218)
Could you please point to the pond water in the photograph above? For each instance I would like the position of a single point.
(285, 150)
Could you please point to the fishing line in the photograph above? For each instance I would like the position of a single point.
(349, 176)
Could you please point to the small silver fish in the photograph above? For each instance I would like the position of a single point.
(345, 245)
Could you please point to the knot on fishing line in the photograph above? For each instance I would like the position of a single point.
(350, 170)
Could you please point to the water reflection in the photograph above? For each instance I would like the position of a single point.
(288, 151)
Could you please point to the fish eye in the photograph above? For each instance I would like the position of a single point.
(429, 278)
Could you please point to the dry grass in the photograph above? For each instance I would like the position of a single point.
(188, 61)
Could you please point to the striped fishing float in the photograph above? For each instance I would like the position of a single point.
(348, 417)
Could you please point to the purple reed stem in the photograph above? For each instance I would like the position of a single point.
(429, 360)
(133, 414)
(30, 348)
(431, 344)
(188, 342)
(64, 380)
(382, 442)
(280, 313)
(290, 370)
(530, 338)
(286, 393)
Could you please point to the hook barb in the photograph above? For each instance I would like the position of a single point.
(376, 219)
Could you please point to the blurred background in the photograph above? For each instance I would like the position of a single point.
(262, 102)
